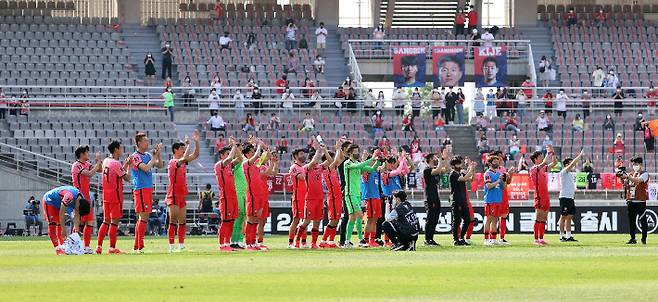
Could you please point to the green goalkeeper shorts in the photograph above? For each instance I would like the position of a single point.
(352, 203)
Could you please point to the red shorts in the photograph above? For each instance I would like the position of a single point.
(297, 208)
(266, 210)
(176, 201)
(504, 207)
(143, 200)
(470, 209)
(492, 209)
(112, 210)
(374, 208)
(542, 204)
(313, 209)
(228, 209)
(334, 207)
(50, 213)
(254, 205)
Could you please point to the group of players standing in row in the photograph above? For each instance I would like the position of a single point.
(352, 179)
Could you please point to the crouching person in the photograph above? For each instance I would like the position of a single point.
(56, 204)
(401, 224)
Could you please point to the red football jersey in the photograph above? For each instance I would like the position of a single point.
(80, 181)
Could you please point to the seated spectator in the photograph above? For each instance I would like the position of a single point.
(586, 99)
(339, 95)
(282, 145)
(238, 101)
(620, 166)
(205, 200)
(318, 64)
(213, 101)
(316, 99)
(274, 122)
(618, 96)
(32, 215)
(543, 123)
(251, 41)
(308, 124)
(514, 146)
(225, 41)
(599, 18)
(480, 123)
(439, 123)
(157, 219)
(578, 125)
(487, 38)
(511, 124)
(483, 144)
(651, 96)
(292, 63)
(548, 102)
(618, 146)
(546, 143)
(572, 18)
(281, 83)
(377, 122)
(408, 123)
(587, 166)
(220, 143)
(639, 120)
(608, 123)
(216, 122)
(303, 44)
(249, 124)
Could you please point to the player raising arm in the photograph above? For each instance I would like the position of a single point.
(539, 178)
(297, 174)
(142, 179)
(330, 164)
(567, 193)
(56, 204)
(254, 204)
(228, 199)
(81, 172)
(313, 201)
(461, 216)
(177, 170)
(431, 175)
(267, 170)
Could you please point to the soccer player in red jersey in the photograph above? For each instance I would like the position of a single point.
(330, 164)
(266, 170)
(539, 179)
(114, 174)
(254, 203)
(81, 173)
(177, 170)
(504, 208)
(297, 174)
(142, 180)
(228, 198)
(313, 201)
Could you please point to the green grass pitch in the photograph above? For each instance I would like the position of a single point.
(598, 268)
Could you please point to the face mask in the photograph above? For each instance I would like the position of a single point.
(166, 45)
(636, 168)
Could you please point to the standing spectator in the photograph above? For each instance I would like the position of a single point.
(369, 102)
(461, 98)
(528, 88)
(491, 105)
(649, 143)
(577, 125)
(572, 18)
(303, 43)
(478, 103)
(225, 41)
(12, 104)
(652, 96)
(408, 123)
(460, 21)
(437, 102)
(250, 88)
(514, 146)
(251, 41)
(291, 36)
(487, 38)
(599, 18)
(316, 100)
(275, 122)
(618, 96)
(149, 69)
(543, 123)
(321, 38)
(548, 102)
(399, 98)
(472, 19)
(167, 59)
(451, 100)
(219, 11)
(256, 97)
(561, 104)
(216, 83)
(608, 123)
(216, 122)
(416, 101)
(286, 103)
(546, 71)
(521, 103)
(318, 64)
(379, 35)
(639, 121)
(377, 122)
(511, 124)
(238, 102)
(598, 76)
(480, 123)
(3, 105)
(168, 98)
(351, 100)
(213, 101)
(618, 147)
(586, 100)
(25, 104)
(308, 124)
(188, 91)
(380, 100)
(282, 84)
(501, 101)
(475, 37)
(249, 123)
(339, 96)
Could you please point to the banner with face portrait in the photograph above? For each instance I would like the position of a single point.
(448, 66)
(490, 66)
(409, 66)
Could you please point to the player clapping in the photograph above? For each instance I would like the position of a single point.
(330, 164)
(142, 180)
(81, 172)
(313, 201)
(228, 199)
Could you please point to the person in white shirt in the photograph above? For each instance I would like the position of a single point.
(238, 99)
(542, 122)
(319, 64)
(291, 36)
(217, 84)
(308, 124)
(561, 104)
(316, 99)
(321, 38)
(379, 34)
(287, 98)
(225, 41)
(213, 101)
(216, 122)
(369, 102)
(487, 38)
(567, 204)
(399, 98)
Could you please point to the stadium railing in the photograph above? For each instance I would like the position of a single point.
(383, 49)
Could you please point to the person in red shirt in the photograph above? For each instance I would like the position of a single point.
(618, 146)
(330, 163)
(81, 173)
(527, 87)
(652, 96)
(472, 19)
(220, 143)
(255, 205)
(114, 174)
(572, 18)
(282, 83)
(177, 190)
(313, 201)
(460, 20)
(228, 198)
(282, 145)
(539, 179)
(267, 170)
(297, 174)
(504, 210)
(600, 18)
(219, 11)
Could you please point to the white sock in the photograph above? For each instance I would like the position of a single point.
(180, 245)
(561, 234)
(171, 246)
(568, 234)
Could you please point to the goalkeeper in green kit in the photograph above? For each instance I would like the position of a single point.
(353, 169)
(237, 238)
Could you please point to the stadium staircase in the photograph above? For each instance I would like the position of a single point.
(140, 40)
(335, 63)
(463, 142)
(421, 13)
(540, 39)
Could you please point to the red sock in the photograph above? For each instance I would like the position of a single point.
(314, 235)
(58, 231)
(181, 233)
(52, 233)
(536, 230)
(503, 227)
(493, 235)
(291, 235)
(542, 228)
(251, 233)
(137, 234)
(301, 231)
(114, 230)
(486, 235)
(102, 231)
(171, 233)
(366, 236)
(304, 234)
(86, 234)
(332, 234)
(373, 236)
(142, 234)
(469, 232)
(326, 232)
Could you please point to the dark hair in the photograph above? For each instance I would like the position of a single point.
(455, 161)
(176, 146)
(296, 152)
(80, 150)
(535, 155)
(208, 186)
(113, 146)
(331, 153)
(391, 160)
(139, 136)
(224, 150)
(83, 206)
(452, 58)
(489, 59)
(637, 160)
(491, 158)
(409, 60)
(567, 161)
(248, 148)
(429, 157)
(345, 145)
(402, 195)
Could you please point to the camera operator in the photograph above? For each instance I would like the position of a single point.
(157, 218)
(402, 224)
(636, 189)
(32, 213)
(167, 58)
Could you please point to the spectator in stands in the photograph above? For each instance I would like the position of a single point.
(339, 96)
(149, 69)
(577, 125)
(487, 38)
(399, 98)
(157, 218)
(561, 104)
(543, 123)
(528, 88)
(25, 105)
(514, 146)
(3, 105)
(439, 123)
(216, 83)
(188, 91)
(478, 102)
(548, 102)
(460, 21)
(587, 166)
(219, 11)
(451, 99)
(649, 143)
(483, 144)
(291, 36)
(369, 102)
(475, 37)
(511, 124)
(480, 123)
(321, 38)
(408, 123)
(380, 100)
(546, 143)
(167, 59)
(168, 83)
(491, 105)
(308, 124)
(292, 63)
(351, 100)
(250, 89)
(318, 64)
(205, 200)
(546, 71)
(384, 144)
(303, 43)
(618, 147)
(639, 121)
(216, 122)
(586, 100)
(168, 98)
(416, 101)
(436, 102)
(598, 76)
(251, 41)
(472, 19)
(220, 143)
(282, 84)
(521, 102)
(225, 41)
(608, 123)
(213, 101)
(256, 97)
(12, 104)
(250, 124)
(571, 17)
(599, 18)
(651, 96)
(275, 122)
(316, 100)
(32, 215)
(379, 35)
(282, 145)
(611, 81)
(286, 102)
(501, 101)
(308, 91)
(618, 96)
(461, 98)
